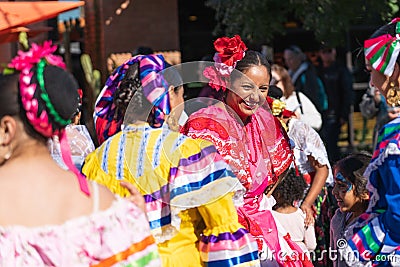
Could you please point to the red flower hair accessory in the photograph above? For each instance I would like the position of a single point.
(229, 52)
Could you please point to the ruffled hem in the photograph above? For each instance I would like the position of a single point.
(228, 244)
(120, 230)
(317, 154)
(370, 246)
(94, 172)
(321, 158)
(391, 149)
(206, 194)
(203, 196)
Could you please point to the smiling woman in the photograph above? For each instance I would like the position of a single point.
(250, 139)
(246, 94)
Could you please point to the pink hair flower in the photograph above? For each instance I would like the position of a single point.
(216, 80)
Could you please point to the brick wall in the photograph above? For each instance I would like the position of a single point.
(152, 23)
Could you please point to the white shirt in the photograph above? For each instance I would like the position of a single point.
(308, 142)
(293, 223)
(310, 114)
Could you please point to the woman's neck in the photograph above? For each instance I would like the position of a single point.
(29, 148)
(240, 119)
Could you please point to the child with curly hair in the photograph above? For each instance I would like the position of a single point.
(352, 197)
(286, 194)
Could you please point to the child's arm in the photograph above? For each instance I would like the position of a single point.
(309, 238)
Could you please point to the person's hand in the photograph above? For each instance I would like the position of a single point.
(135, 196)
(308, 210)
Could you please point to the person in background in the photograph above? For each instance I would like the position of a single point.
(295, 101)
(45, 220)
(373, 104)
(287, 192)
(142, 50)
(352, 197)
(304, 77)
(188, 188)
(382, 218)
(338, 84)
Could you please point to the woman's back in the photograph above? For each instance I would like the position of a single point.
(45, 220)
(50, 222)
(44, 192)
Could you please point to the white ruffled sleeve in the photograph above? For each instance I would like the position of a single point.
(308, 143)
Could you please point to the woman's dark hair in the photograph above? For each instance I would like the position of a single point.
(61, 87)
(130, 93)
(9, 95)
(172, 76)
(251, 59)
(387, 29)
(130, 89)
(352, 168)
(290, 189)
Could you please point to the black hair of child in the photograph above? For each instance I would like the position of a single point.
(291, 188)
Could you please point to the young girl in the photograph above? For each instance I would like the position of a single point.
(352, 198)
(292, 189)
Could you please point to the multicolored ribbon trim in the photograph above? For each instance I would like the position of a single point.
(382, 51)
(108, 119)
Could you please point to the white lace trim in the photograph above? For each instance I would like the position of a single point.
(391, 149)
(308, 142)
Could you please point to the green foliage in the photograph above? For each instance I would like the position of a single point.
(253, 19)
(261, 20)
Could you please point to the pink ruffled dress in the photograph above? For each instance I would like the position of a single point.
(117, 236)
(258, 153)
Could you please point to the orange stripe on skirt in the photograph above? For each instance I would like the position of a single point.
(126, 253)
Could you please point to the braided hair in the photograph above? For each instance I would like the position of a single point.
(61, 88)
(130, 85)
(129, 93)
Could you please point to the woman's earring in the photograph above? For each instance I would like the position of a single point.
(172, 122)
(393, 95)
(7, 155)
